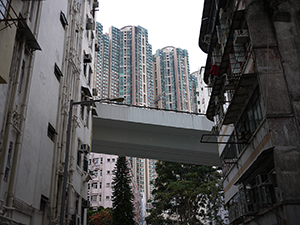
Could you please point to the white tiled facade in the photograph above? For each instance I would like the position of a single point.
(101, 168)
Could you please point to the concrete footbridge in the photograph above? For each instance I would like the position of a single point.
(153, 134)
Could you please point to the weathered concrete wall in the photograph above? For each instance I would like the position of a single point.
(287, 156)
(268, 62)
(287, 28)
(276, 45)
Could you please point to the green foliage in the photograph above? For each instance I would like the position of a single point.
(186, 189)
(123, 210)
(100, 217)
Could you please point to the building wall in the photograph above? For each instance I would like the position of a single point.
(259, 118)
(34, 112)
(101, 168)
(202, 91)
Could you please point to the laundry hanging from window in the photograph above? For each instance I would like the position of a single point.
(214, 70)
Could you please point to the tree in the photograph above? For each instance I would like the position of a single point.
(123, 210)
(183, 191)
(101, 216)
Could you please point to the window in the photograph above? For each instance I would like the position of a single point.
(100, 185)
(22, 75)
(87, 118)
(113, 160)
(84, 69)
(51, 132)
(79, 154)
(63, 19)
(57, 72)
(107, 197)
(94, 173)
(108, 160)
(3, 9)
(95, 161)
(94, 185)
(8, 163)
(94, 198)
(89, 75)
(108, 172)
(43, 202)
(107, 184)
(82, 107)
(85, 164)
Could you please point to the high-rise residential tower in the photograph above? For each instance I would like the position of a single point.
(136, 80)
(102, 63)
(124, 68)
(173, 85)
(114, 62)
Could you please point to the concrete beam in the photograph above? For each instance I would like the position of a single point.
(154, 134)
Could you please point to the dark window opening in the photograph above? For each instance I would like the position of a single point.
(79, 154)
(85, 164)
(57, 72)
(8, 163)
(43, 203)
(51, 132)
(63, 19)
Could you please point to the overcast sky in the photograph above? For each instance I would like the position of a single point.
(169, 23)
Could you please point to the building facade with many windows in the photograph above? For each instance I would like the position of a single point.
(47, 50)
(174, 86)
(253, 71)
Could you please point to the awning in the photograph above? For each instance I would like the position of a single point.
(24, 30)
(264, 162)
(86, 91)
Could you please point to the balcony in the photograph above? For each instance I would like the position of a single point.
(242, 93)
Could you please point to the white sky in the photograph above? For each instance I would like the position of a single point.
(169, 23)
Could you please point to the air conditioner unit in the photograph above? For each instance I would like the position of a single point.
(241, 36)
(90, 25)
(84, 148)
(87, 58)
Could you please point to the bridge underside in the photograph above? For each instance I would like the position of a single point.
(136, 132)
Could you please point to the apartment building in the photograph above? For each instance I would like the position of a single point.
(174, 86)
(101, 167)
(46, 50)
(252, 68)
(202, 91)
(124, 68)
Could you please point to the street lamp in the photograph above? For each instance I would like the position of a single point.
(72, 103)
